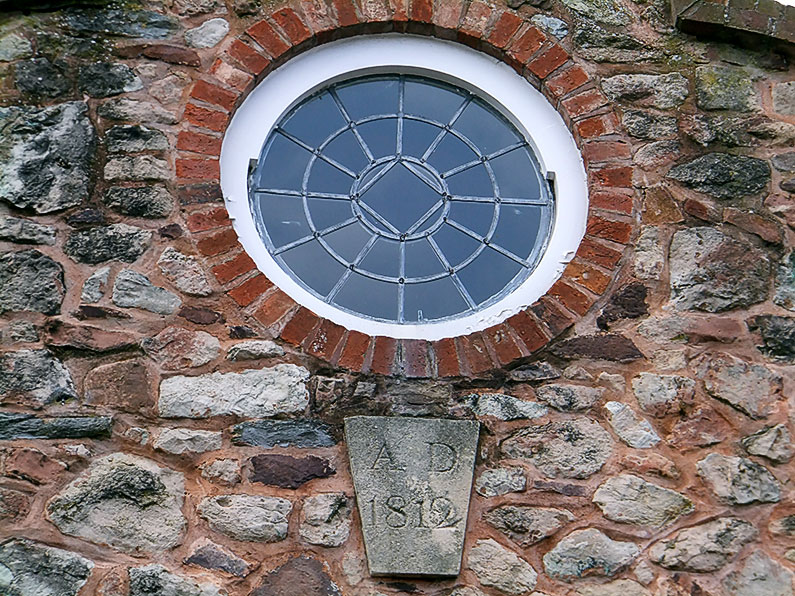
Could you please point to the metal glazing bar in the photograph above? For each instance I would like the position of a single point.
(425, 216)
(317, 234)
(381, 173)
(458, 283)
(376, 215)
(351, 123)
(487, 242)
(315, 152)
(446, 128)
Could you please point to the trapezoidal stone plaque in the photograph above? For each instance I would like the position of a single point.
(413, 478)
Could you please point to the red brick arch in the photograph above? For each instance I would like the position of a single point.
(498, 32)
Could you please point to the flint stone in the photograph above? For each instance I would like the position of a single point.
(657, 91)
(138, 168)
(648, 126)
(705, 547)
(772, 442)
(46, 155)
(145, 24)
(124, 501)
(134, 290)
(30, 281)
(222, 471)
(95, 285)
(282, 433)
(254, 350)
(301, 576)
(287, 471)
(503, 407)
(725, 88)
(527, 525)
(713, 272)
(570, 449)
(36, 377)
(156, 579)
(103, 79)
(209, 555)
(723, 175)
(247, 517)
(738, 480)
(25, 231)
(179, 441)
(133, 110)
(604, 346)
(570, 398)
(28, 568)
(589, 552)
(42, 78)
(759, 576)
(114, 242)
(752, 389)
(630, 427)
(251, 393)
(660, 395)
(500, 481)
(628, 499)
(28, 426)
(326, 519)
(176, 348)
(498, 567)
(207, 35)
(134, 139)
(619, 587)
(778, 336)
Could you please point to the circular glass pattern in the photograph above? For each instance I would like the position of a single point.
(401, 198)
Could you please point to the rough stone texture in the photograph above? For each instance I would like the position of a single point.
(209, 555)
(723, 175)
(589, 552)
(30, 281)
(126, 502)
(282, 433)
(184, 272)
(759, 576)
(27, 426)
(737, 480)
(498, 567)
(778, 336)
(660, 395)
(45, 156)
(725, 88)
(752, 389)
(252, 393)
(713, 272)
(784, 98)
(503, 407)
(103, 79)
(139, 168)
(629, 499)
(628, 303)
(25, 231)
(630, 427)
(156, 579)
(537, 371)
(286, 471)
(551, 25)
(301, 576)
(574, 448)
(134, 290)
(771, 442)
(13, 47)
(705, 547)
(151, 202)
(185, 440)
(528, 525)
(326, 519)
(20, 332)
(30, 568)
(645, 125)
(570, 398)
(785, 282)
(254, 350)
(146, 24)
(95, 285)
(36, 377)
(176, 348)
(115, 242)
(247, 517)
(135, 139)
(126, 385)
(605, 346)
(123, 109)
(496, 482)
(657, 91)
(208, 34)
(649, 254)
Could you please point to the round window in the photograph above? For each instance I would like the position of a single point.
(396, 199)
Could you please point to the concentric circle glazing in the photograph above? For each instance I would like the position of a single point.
(401, 198)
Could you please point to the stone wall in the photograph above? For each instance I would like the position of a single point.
(171, 423)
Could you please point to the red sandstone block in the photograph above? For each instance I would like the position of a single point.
(549, 61)
(617, 231)
(384, 355)
(210, 119)
(597, 126)
(504, 29)
(474, 351)
(705, 210)
(476, 19)
(587, 276)
(553, 315)
(217, 243)
(528, 330)
(503, 343)
(274, 308)
(213, 94)
(293, 26)
(233, 268)
(248, 57)
(612, 200)
(208, 220)
(326, 339)
(601, 151)
(447, 13)
(421, 11)
(597, 253)
(300, 326)
(354, 351)
(576, 301)
(584, 103)
(528, 43)
(265, 35)
(620, 177)
(198, 169)
(250, 290)
(230, 76)
(199, 143)
(415, 358)
(447, 364)
(567, 81)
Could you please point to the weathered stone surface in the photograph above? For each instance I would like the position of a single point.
(137, 168)
(30, 568)
(151, 202)
(570, 398)
(35, 377)
(124, 501)
(630, 427)
(503, 407)
(783, 526)
(121, 22)
(551, 25)
(574, 448)
(784, 98)
(254, 350)
(500, 481)
(42, 78)
(134, 139)
(723, 175)
(654, 155)
(785, 282)
(287, 471)
(208, 34)
(124, 385)
(705, 547)
(247, 517)
(771, 442)
(95, 285)
(14, 504)
(156, 579)
(251, 393)
(103, 79)
(589, 552)
(608, 12)
(209, 555)
(778, 336)
(19, 332)
(45, 156)
(600, 45)
(738, 480)
(120, 242)
(660, 395)
(326, 519)
(60, 333)
(301, 576)
(30, 281)
(25, 231)
(282, 433)
(14, 47)
(527, 525)
(498, 567)
(701, 428)
(649, 254)
(713, 272)
(134, 290)
(725, 88)
(645, 125)
(176, 348)
(133, 110)
(32, 465)
(28, 426)
(398, 461)
(759, 576)
(627, 303)
(619, 587)
(536, 371)
(201, 316)
(658, 91)
(604, 346)
(187, 440)
(784, 162)
(750, 388)
(629, 499)
(184, 272)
